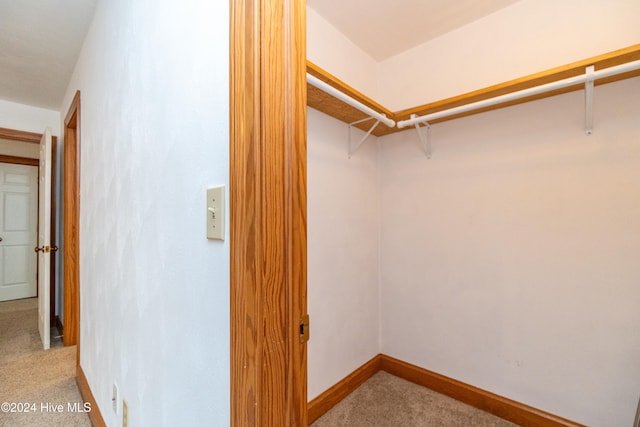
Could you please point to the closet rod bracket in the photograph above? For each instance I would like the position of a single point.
(588, 99)
(364, 138)
(424, 136)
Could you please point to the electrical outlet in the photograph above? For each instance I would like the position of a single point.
(115, 398)
(125, 413)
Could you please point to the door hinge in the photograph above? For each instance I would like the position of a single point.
(304, 328)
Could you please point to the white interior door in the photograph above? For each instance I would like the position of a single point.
(18, 230)
(44, 236)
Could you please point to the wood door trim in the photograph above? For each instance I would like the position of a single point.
(19, 160)
(71, 207)
(268, 212)
(20, 135)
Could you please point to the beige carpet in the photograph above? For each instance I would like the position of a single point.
(388, 401)
(33, 379)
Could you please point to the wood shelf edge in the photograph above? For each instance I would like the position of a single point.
(332, 80)
(336, 108)
(322, 101)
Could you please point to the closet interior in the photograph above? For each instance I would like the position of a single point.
(490, 257)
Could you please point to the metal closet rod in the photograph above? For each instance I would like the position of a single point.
(314, 81)
(583, 78)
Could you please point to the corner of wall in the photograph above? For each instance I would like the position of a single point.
(328, 48)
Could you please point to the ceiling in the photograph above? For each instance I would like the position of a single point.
(384, 28)
(39, 45)
(40, 39)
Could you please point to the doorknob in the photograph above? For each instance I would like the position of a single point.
(46, 249)
(0, 239)
(38, 249)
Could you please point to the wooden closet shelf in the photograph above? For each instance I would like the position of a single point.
(322, 101)
(327, 104)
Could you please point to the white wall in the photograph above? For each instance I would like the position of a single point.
(154, 291)
(528, 37)
(27, 118)
(342, 224)
(334, 52)
(343, 247)
(513, 253)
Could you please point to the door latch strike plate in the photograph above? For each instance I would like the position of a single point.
(304, 328)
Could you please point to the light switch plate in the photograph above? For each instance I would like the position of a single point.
(215, 213)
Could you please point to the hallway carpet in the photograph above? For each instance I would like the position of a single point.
(388, 401)
(31, 379)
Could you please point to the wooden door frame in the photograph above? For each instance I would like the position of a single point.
(34, 138)
(14, 160)
(268, 212)
(71, 227)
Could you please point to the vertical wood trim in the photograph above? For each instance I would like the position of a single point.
(245, 286)
(296, 187)
(71, 206)
(268, 211)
